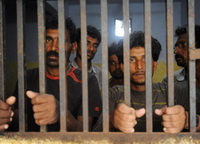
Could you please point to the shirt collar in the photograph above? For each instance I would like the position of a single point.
(91, 69)
(180, 75)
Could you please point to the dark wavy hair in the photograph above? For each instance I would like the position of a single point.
(91, 31)
(137, 39)
(113, 49)
(180, 30)
(52, 23)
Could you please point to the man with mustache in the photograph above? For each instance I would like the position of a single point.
(181, 87)
(117, 76)
(43, 109)
(130, 119)
(181, 52)
(93, 41)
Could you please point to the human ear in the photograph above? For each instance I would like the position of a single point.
(122, 67)
(155, 63)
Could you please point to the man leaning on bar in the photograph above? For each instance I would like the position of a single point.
(43, 109)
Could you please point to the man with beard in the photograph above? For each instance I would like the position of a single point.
(114, 66)
(181, 87)
(130, 119)
(43, 109)
(93, 41)
(181, 53)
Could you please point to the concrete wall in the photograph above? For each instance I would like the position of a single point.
(93, 18)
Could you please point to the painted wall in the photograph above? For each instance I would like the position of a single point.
(137, 17)
(94, 18)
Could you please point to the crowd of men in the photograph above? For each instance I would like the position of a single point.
(43, 109)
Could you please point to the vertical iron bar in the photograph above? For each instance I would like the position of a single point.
(62, 66)
(84, 65)
(192, 74)
(104, 31)
(41, 49)
(126, 46)
(148, 61)
(2, 68)
(170, 52)
(20, 62)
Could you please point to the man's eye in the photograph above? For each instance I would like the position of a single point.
(176, 45)
(132, 60)
(48, 40)
(184, 44)
(95, 45)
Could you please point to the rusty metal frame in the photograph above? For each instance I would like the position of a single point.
(84, 64)
(148, 61)
(41, 50)
(126, 45)
(192, 71)
(2, 44)
(107, 137)
(62, 66)
(104, 31)
(170, 52)
(21, 66)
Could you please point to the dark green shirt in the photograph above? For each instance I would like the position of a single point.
(138, 100)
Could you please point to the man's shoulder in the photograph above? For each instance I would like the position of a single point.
(117, 89)
(75, 74)
(180, 71)
(116, 94)
(179, 76)
(96, 69)
(159, 89)
(159, 86)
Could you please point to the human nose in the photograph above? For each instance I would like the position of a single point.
(90, 47)
(177, 50)
(117, 66)
(139, 65)
(54, 45)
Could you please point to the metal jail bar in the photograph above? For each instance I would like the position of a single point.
(21, 66)
(62, 67)
(41, 49)
(104, 30)
(170, 52)
(192, 74)
(2, 69)
(148, 61)
(84, 65)
(63, 89)
(126, 45)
